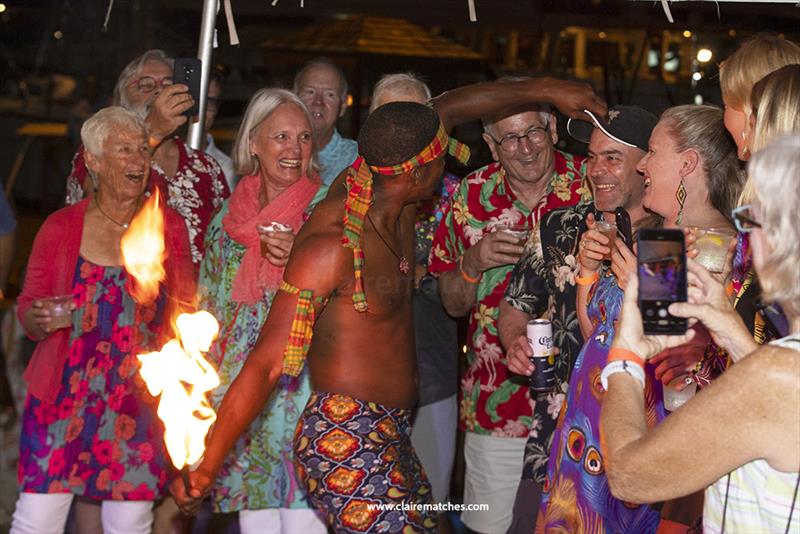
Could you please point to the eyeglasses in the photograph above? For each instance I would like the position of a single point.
(148, 84)
(743, 219)
(510, 142)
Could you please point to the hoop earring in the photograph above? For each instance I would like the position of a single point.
(680, 194)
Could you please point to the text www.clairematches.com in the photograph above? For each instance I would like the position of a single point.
(430, 507)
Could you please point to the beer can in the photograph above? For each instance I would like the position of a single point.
(540, 339)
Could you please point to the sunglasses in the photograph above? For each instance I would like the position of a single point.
(743, 219)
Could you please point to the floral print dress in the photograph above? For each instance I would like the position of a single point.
(101, 438)
(259, 471)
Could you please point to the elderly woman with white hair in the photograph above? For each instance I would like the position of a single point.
(247, 248)
(89, 427)
(191, 181)
(739, 438)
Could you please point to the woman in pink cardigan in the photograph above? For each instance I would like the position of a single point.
(89, 427)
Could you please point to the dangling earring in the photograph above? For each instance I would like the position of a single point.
(680, 194)
(745, 148)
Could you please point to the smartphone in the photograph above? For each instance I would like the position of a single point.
(661, 257)
(624, 226)
(187, 71)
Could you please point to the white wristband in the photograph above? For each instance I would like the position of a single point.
(622, 366)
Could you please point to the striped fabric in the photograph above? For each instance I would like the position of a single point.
(302, 331)
(759, 497)
(359, 198)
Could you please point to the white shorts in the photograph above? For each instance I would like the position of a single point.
(433, 435)
(493, 468)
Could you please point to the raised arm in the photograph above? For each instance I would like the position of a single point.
(750, 412)
(478, 100)
(742, 416)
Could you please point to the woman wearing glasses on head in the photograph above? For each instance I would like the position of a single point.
(739, 438)
(192, 182)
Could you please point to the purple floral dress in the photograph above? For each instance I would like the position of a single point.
(101, 439)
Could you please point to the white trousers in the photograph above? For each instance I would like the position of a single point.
(491, 477)
(46, 513)
(281, 521)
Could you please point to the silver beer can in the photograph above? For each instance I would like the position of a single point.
(540, 339)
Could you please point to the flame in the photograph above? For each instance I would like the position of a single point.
(182, 377)
(143, 250)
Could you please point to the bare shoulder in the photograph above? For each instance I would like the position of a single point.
(318, 260)
(776, 366)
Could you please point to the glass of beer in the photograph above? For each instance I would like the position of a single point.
(609, 230)
(60, 312)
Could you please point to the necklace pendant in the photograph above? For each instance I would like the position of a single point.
(404, 266)
(125, 226)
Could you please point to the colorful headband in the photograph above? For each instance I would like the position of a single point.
(359, 198)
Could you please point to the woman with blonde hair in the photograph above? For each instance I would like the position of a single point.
(240, 274)
(754, 59)
(739, 75)
(739, 438)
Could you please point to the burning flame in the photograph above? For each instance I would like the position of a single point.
(178, 372)
(182, 377)
(143, 250)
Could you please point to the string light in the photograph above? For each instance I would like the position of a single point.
(704, 55)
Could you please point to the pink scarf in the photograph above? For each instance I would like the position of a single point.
(257, 274)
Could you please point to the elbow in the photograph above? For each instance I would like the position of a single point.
(625, 483)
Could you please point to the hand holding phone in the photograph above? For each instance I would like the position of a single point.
(624, 226)
(188, 70)
(662, 279)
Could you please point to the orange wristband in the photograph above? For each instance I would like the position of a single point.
(616, 354)
(587, 280)
(464, 275)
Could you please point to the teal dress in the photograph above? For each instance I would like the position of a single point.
(259, 471)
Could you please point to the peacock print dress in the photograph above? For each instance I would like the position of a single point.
(576, 495)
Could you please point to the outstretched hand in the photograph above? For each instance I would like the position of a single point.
(573, 99)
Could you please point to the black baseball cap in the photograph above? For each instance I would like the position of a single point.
(629, 125)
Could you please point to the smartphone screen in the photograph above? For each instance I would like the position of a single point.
(187, 71)
(661, 256)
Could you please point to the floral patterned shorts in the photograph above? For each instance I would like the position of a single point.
(359, 467)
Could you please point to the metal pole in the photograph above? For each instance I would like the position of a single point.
(204, 48)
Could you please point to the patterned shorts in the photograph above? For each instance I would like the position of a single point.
(353, 455)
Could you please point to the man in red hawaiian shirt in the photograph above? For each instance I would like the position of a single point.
(192, 181)
(474, 253)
